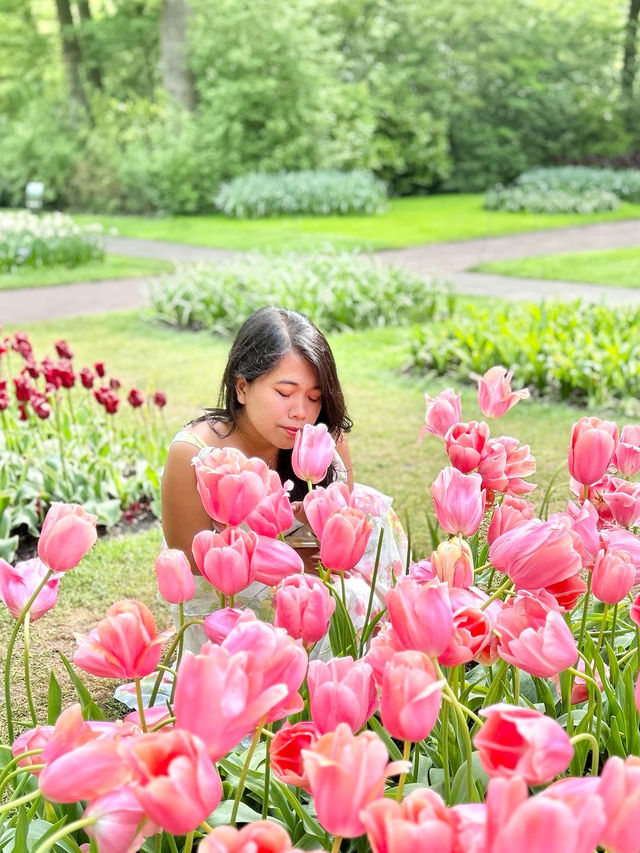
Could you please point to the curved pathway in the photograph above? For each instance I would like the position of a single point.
(448, 261)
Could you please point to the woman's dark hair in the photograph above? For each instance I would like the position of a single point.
(262, 340)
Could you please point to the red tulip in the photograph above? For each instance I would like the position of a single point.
(135, 398)
(341, 691)
(591, 448)
(160, 399)
(313, 452)
(286, 748)
(86, 377)
(67, 534)
(443, 411)
(63, 349)
(495, 396)
(99, 368)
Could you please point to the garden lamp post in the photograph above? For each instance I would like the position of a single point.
(34, 195)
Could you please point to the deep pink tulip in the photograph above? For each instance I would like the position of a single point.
(492, 465)
(36, 738)
(260, 836)
(320, 503)
(274, 514)
(176, 782)
(124, 644)
(346, 772)
(225, 559)
(518, 741)
(313, 452)
(495, 396)
(627, 454)
(19, 582)
(472, 630)
(452, 562)
(579, 689)
(274, 560)
(459, 501)
(420, 822)
(534, 636)
(508, 515)
(286, 748)
(119, 826)
(230, 485)
(67, 534)
(86, 771)
(421, 571)
(624, 504)
(465, 443)
(619, 791)
(567, 592)
(176, 582)
(344, 539)
(218, 624)
(613, 575)
(536, 553)
(591, 448)
(410, 697)
(341, 691)
(304, 608)
(443, 411)
(421, 615)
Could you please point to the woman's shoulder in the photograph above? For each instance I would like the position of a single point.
(199, 434)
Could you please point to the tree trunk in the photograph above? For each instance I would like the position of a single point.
(174, 18)
(89, 61)
(630, 59)
(71, 54)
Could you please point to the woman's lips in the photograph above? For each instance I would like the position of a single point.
(291, 431)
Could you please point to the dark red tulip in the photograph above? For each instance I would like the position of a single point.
(160, 399)
(22, 344)
(24, 388)
(114, 383)
(87, 377)
(135, 398)
(99, 368)
(63, 349)
(66, 374)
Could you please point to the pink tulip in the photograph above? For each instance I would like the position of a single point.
(504, 463)
(274, 560)
(472, 630)
(421, 615)
(382, 647)
(619, 791)
(613, 575)
(459, 501)
(341, 691)
(219, 623)
(274, 514)
(591, 449)
(536, 553)
(465, 443)
(286, 748)
(567, 592)
(176, 782)
(344, 539)
(86, 771)
(518, 741)
(320, 503)
(346, 772)
(443, 411)
(452, 562)
(313, 452)
(17, 585)
(420, 822)
(624, 504)
(623, 540)
(580, 690)
(226, 559)
(634, 610)
(176, 582)
(534, 636)
(636, 694)
(119, 826)
(67, 534)
(70, 731)
(410, 697)
(584, 522)
(124, 644)
(492, 465)
(230, 485)
(627, 454)
(495, 396)
(508, 515)
(260, 836)
(36, 738)
(304, 608)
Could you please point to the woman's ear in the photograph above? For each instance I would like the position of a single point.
(241, 385)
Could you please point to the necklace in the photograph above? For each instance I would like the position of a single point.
(268, 462)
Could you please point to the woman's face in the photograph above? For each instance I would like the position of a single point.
(279, 403)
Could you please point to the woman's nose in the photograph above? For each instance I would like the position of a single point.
(298, 409)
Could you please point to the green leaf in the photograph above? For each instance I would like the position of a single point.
(54, 700)
(85, 697)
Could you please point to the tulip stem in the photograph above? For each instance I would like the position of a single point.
(444, 722)
(595, 751)
(63, 832)
(336, 844)
(188, 843)
(596, 690)
(504, 586)
(613, 623)
(8, 771)
(19, 771)
(585, 610)
(406, 752)
(180, 647)
(168, 655)
(13, 804)
(27, 674)
(267, 781)
(448, 694)
(243, 774)
(10, 645)
(605, 613)
(143, 722)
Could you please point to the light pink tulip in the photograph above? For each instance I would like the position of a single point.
(260, 836)
(274, 514)
(320, 503)
(495, 396)
(459, 501)
(344, 539)
(624, 503)
(410, 697)
(119, 826)
(382, 647)
(508, 515)
(504, 463)
(304, 608)
(619, 791)
(286, 748)
(613, 575)
(19, 582)
(274, 560)
(36, 738)
(421, 615)
(534, 636)
(452, 562)
(313, 452)
(492, 465)
(584, 522)
(67, 534)
(176, 781)
(86, 771)
(623, 540)
(420, 822)
(226, 559)
(627, 454)
(421, 571)
(465, 443)
(230, 485)
(346, 772)
(518, 741)
(634, 610)
(591, 449)
(176, 582)
(218, 624)
(341, 691)
(443, 411)
(124, 644)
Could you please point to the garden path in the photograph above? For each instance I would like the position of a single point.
(446, 260)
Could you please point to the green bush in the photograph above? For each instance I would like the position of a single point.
(533, 199)
(52, 239)
(624, 183)
(338, 290)
(571, 351)
(317, 192)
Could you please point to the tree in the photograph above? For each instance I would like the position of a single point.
(174, 21)
(71, 54)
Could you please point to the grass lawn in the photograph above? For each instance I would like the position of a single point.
(113, 266)
(619, 267)
(409, 222)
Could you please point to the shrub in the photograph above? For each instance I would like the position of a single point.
(570, 351)
(339, 290)
(319, 192)
(624, 183)
(47, 240)
(533, 199)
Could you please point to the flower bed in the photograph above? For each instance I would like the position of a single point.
(52, 239)
(490, 705)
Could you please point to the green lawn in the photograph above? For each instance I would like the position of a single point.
(113, 266)
(409, 222)
(619, 267)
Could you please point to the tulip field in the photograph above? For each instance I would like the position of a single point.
(490, 704)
